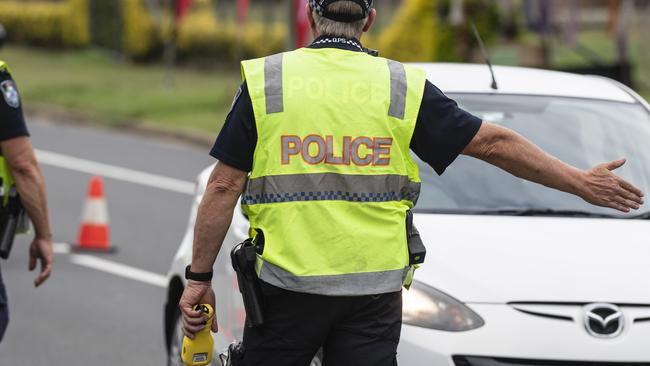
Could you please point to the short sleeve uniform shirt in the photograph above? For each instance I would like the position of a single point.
(12, 121)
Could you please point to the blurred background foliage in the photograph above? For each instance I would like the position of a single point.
(131, 27)
(456, 41)
(52, 24)
(402, 40)
(139, 31)
(126, 62)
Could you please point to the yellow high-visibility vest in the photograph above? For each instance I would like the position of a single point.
(5, 171)
(332, 176)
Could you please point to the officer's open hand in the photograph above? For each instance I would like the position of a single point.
(41, 251)
(196, 293)
(606, 189)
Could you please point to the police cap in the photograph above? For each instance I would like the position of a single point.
(320, 7)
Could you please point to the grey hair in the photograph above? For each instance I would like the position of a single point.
(331, 28)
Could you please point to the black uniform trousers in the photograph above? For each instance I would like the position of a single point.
(352, 330)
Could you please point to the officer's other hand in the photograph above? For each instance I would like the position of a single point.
(41, 251)
(606, 189)
(196, 293)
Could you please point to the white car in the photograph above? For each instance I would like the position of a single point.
(515, 274)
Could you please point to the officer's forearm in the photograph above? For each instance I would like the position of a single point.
(212, 223)
(515, 154)
(29, 182)
(31, 187)
(215, 215)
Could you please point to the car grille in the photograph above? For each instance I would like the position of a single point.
(489, 361)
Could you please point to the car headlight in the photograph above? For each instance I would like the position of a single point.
(426, 307)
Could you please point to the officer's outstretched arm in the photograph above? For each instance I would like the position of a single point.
(212, 222)
(515, 154)
(30, 184)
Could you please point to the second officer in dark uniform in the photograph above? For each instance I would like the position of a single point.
(18, 161)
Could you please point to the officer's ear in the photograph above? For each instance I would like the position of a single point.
(312, 22)
(371, 19)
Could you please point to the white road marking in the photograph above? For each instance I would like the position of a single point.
(61, 248)
(114, 172)
(119, 269)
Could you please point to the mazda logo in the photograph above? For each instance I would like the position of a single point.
(603, 320)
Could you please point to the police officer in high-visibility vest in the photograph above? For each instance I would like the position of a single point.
(21, 177)
(317, 143)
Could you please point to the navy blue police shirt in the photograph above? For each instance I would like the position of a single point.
(12, 122)
(441, 133)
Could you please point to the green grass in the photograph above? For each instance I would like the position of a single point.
(119, 93)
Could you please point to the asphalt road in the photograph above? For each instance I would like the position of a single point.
(84, 315)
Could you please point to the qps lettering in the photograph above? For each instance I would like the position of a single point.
(348, 150)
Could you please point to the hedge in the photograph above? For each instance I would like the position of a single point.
(412, 34)
(141, 36)
(106, 23)
(201, 35)
(52, 24)
(66, 24)
(420, 31)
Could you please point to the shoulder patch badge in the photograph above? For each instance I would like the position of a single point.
(10, 93)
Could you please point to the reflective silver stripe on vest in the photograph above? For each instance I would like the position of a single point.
(273, 83)
(330, 187)
(397, 107)
(353, 284)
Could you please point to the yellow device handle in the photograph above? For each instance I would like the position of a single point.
(198, 351)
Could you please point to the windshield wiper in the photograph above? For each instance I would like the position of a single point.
(547, 212)
(523, 212)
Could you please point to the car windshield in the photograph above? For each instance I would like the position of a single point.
(581, 132)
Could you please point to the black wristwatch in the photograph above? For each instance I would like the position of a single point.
(201, 277)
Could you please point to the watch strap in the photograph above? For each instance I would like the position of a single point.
(201, 277)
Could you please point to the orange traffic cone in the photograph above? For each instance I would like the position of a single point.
(94, 233)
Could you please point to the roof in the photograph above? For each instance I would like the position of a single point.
(475, 78)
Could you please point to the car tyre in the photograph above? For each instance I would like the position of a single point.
(176, 342)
